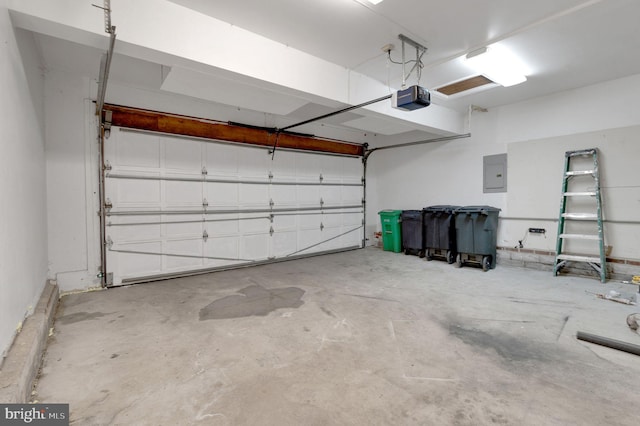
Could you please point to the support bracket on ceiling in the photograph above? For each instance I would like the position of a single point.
(420, 51)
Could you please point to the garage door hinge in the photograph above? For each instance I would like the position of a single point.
(204, 171)
(271, 218)
(321, 226)
(106, 124)
(108, 205)
(321, 202)
(205, 203)
(109, 242)
(271, 203)
(205, 235)
(271, 231)
(321, 178)
(270, 175)
(107, 165)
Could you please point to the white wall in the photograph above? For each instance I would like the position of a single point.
(23, 234)
(451, 172)
(71, 149)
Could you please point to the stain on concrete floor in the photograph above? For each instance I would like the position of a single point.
(508, 347)
(254, 300)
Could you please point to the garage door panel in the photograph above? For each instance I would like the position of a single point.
(285, 223)
(351, 239)
(332, 220)
(222, 224)
(182, 226)
(283, 166)
(308, 167)
(254, 247)
(186, 247)
(284, 243)
(308, 196)
(351, 219)
(308, 238)
(138, 228)
(211, 239)
(331, 195)
(223, 248)
(309, 221)
(250, 224)
(182, 155)
(284, 195)
(182, 194)
(351, 195)
(130, 264)
(221, 159)
(133, 150)
(253, 163)
(254, 196)
(351, 169)
(132, 193)
(222, 194)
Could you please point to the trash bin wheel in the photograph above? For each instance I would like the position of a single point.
(459, 261)
(421, 254)
(428, 255)
(407, 251)
(486, 263)
(450, 257)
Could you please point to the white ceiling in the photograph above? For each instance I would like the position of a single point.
(565, 44)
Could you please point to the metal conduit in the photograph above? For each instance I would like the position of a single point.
(247, 182)
(238, 211)
(193, 256)
(233, 219)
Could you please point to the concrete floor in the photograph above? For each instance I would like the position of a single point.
(361, 338)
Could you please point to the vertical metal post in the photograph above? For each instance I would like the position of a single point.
(102, 212)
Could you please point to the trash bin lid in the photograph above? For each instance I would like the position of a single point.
(477, 209)
(441, 208)
(412, 214)
(390, 212)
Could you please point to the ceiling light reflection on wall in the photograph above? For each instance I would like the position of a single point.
(374, 1)
(497, 64)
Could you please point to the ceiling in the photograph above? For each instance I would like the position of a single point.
(564, 44)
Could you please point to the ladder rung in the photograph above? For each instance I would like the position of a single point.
(580, 172)
(583, 216)
(580, 237)
(580, 194)
(576, 258)
(589, 151)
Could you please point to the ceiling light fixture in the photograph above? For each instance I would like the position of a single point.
(374, 1)
(497, 64)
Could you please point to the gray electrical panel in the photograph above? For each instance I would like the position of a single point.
(495, 173)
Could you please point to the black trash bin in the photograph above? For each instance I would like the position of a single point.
(476, 235)
(412, 236)
(440, 232)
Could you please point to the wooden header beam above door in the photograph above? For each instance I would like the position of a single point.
(141, 119)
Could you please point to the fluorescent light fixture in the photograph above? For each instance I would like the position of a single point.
(497, 64)
(374, 1)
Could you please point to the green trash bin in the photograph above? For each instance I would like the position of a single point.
(476, 235)
(391, 230)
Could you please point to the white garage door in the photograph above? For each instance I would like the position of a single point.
(181, 206)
